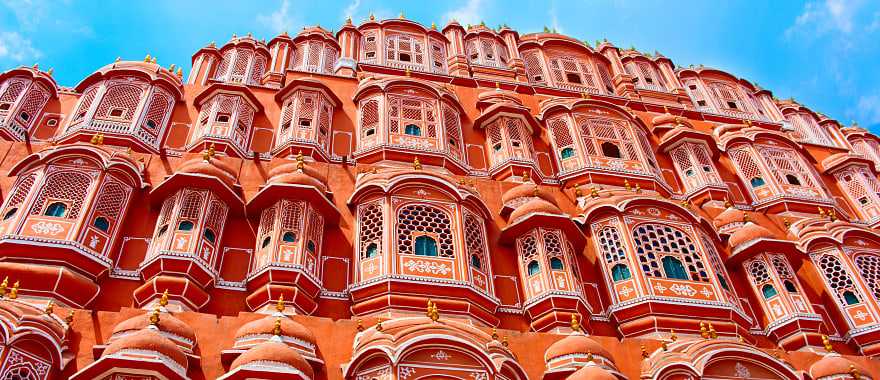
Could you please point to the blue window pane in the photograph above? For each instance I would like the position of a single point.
(101, 223)
(372, 250)
(56, 209)
(185, 226)
(757, 182)
(768, 291)
(556, 264)
(674, 268)
(620, 272)
(426, 246)
(412, 130)
(850, 298)
(209, 235)
(567, 153)
(534, 268)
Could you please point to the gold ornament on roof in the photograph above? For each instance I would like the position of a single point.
(712, 333)
(147, 58)
(408, 73)
(627, 185)
(704, 332)
(665, 346)
(401, 16)
(171, 68)
(577, 190)
(575, 324)
(13, 293)
(827, 343)
(69, 318)
(50, 71)
(163, 301)
(300, 161)
(433, 26)
(50, 307)
(379, 325)
(504, 342)
(372, 17)
(3, 286)
(279, 306)
(594, 192)
(118, 59)
(209, 153)
(432, 312)
(644, 351)
(154, 317)
(590, 357)
(360, 325)
(786, 223)
(179, 72)
(416, 164)
(854, 372)
(494, 333)
(153, 61)
(277, 329)
(526, 176)
(672, 335)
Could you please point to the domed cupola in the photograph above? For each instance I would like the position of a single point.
(167, 325)
(294, 209)
(592, 371)
(834, 366)
(576, 350)
(730, 219)
(316, 50)
(270, 357)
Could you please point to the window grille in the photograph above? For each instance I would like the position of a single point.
(111, 198)
(418, 219)
(534, 66)
(869, 267)
(654, 241)
(120, 97)
(371, 221)
(68, 186)
(694, 165)
(759, 272)
(475, 238)
(837, 277)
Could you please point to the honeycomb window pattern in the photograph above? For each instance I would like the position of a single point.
(418, 219)
(869, 268)
(759, 272)
(527, 247)
(654, 241)
(837, 276)
(609, 241)
(371, 221)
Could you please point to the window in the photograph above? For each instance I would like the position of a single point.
(101, 223)
(789, 286)
(4, 106)
(792, 180)
(209, 235)
(223, 118)
(757, 182)
(162, 231)
(370, 132)
(533, 268)
(56, 209)
(151, 124)
(24, 116)
(413, 130)
(475, 262)
(567, 153)
(769, 291)
(52, 122)
(556, 263)
(573, 78)
(185, 226)
(372, 250)
(266, 242)
(305, 123)
(723, 282)
(850, 298)
(425, 246)
(9, 214)
(117, 112)
(673, 268)
(620, 272)
(289, 237)
(310, 246)
(610, 150)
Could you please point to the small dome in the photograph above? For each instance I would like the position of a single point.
(266, 326)
(728, 216)
(167, 324)
(591, 372)
(534, 206)
(834, 365)
(213, 167)
(274, 352)
(575, 344)
(289, 174)
(749, 232)
(148, 340)
(527, 190)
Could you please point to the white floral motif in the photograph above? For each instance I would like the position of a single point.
(654, 211)
(706, 292)
(742, 371)
(47, 228)
(625, 291)
(441, 355)
(405, 372)
(683, 290)
(479, 375)
(93, 242)
(427, 267)
(860, 315)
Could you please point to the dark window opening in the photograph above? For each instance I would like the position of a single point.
(426, 246)
(266, 242)
(850, 298)
(567, 153)
(371, 54)
(117, 112)
(792, 180)
(538, 78)
(674, 268)
(768, 291)
(789, 286)
(56, 209)
(101, 223)
(405, 57)
(476, 262)
(731, 105)
(689, 173)
(863, 200)
(610, 150)
(209, 235)
(701, 103)
(756, 182)
(285, 126)
(10, 213)
(372, 250)
(533, 268)
(692, 87)
(151, 124)
(305, 123)
(4, 106)
(413, 130)
(556, 263)
(222, 118)
(620, 272)
(24, 116)
(289, 237)
(310, 246)
(723, 282)
(185, 226)
(162, 231)
(515, 144)
(496, 147)
(573, 78)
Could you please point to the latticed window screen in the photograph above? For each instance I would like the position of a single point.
(554, 246)
(527, 246)
(806, 129)
(605, 77)
(475, 238)
(718, 267)
(84, 103)
(596, 132)
(370, 47)
(11, 90)
(64, 186)
(267, 223)
(112, 196)
(452, 128)
(419, 219)
(22, 188)
(786, 164)
(315, 232)
(728, 96)
(759, 272)
(869, 267)
(33, 102)
(369, 122)
(837, 277)
(611, 246)
(120, 101)
(573, 71)
(748, 167)
(695, 91)
(487, 52)
(404, 111)
(653, 241)
(371, 221)
(438, 56)
(292, 217)
(534, 67)
(783, 270)
(861, 186)
(694, 165)
(868, 148)
(509, 137)
(404, 48)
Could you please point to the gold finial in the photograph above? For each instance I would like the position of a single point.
(672, 335)
(727, 203)
(666, 110)
(627, 185)
(585, 95)
(360, 325)
(372, 17)
(432, 311)
(644, 351)
(50, 307)
(786, 223)
(234, 36)
(740, 338)
(497, 85)
(163, 301)
(179, 72)
(147, 58)
(685, 203)
(821, 211)
(854, 372)
(594, 192)
(827, 343)
(416, 164)
(494, 333)
(577, 190)
(638, 188)
(277, 329)
(704, 332)
(279, 306)
(407, 73)
(118, 59)
(379, 325)
(13, 293)
(50, 71)
(3, 286)
(575, 324)
(746, 218)
(526, 176)
(433, 26)
(69, 318)
(249, 34)
(153, 61)
(665, 346)
(590, 357)
(300, 161)
(535, 191)
(209, 153)
(504, 342)
(348, 20)
(94, 139)
(832, 215)
(171, 68)
(401, 16)
(154, 317)
(100, 139)
(712, 333)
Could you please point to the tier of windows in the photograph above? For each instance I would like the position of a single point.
(508, 139)
(807, 129)
(225, 118)
(772, 171)
(21, 102)
(852, 276)
(862, 190)
(645, 76)
(306, 117)
(487, 51)
(190, 222)
(693, 162)
(776, 287)
(314, 56)
(567, 71)
(726, 98)
(290, 234)
(546, 263)
(242, 64)
(403, 50)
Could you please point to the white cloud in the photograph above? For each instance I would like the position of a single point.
(469, 13)
(280, 20)
(350, 10)
(28, 13)
(554, 20)
(825, 16)
(868, 109)
(16, 48)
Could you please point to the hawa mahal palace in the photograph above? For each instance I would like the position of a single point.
(400, 202)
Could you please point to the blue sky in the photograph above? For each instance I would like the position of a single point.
(824, 53)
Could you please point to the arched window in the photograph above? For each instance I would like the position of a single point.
(289, 237)
(850, 298)
(210, 236)
(567, 153)
(674, 268)
(101, 223)
(768, 291)
(789, 286)
(869, 268)
(56, 209)
(723, 282)
(533, 268)
(266, 242)
(162, 231)
(620, 272)
(310, 246)
(757, 182)
(372, 250)
(792, 180)
(610, 150)
(556, 263)
(9, 214)
(185, 226)
(425, 246)
(475, 262)
(413, 130)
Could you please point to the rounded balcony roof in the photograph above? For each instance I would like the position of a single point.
(274, 352)
(148, 340)
(266, 326)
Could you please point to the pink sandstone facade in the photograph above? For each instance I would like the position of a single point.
(401, 202)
